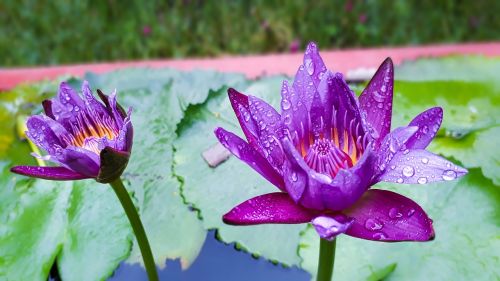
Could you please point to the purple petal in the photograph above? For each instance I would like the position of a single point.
(115, 110)
(387, 216)
(243, 151)
(303, 86)
(269, 130)
(48, 173)
(318, 191)
(268, 208)
(47, 133)
(393, 143)
(420, 166)
(428, 123)
(346, 117)
(329, 226)
(376, 102)
(239, 102)
(47, 108)
(80, 160)
(90, 101)
(314, 64)
(294, 114)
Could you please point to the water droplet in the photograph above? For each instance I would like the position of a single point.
(425, 160)
(393, 167)
(373, 224)
(380, 105)
(285, 104)
(288, 119)
(394, 213)
(425, 129)
(406, 151)
(378, 97)
(449, 175)
(400, 180)
(379, 236)
(294, 177)
(408, 171)
(422, 180)
(309, 66)
(411, 212)
(383, 88)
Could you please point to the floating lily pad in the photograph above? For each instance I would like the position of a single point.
(466, 247)
(214, 191)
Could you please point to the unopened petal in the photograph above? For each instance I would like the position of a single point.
(329, 226)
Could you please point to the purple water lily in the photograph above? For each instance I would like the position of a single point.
(86, 138)
(327, 148)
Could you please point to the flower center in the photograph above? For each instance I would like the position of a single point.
(90, 127)
(326, 158)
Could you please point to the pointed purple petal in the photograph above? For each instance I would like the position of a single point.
(90, 101)
(318, 191)
(69, 98)
(48, 173)
(47, 133)
(428, 123)
(294, 115)
(243, 151)
(387, 216)
(239, 102)
(269, 130)
(420, 166)
(303, 86)
(376, 102)
(268, 208)
(115, 110)
(80, 160)
(313, 63)
(329, 226)
(346, 117)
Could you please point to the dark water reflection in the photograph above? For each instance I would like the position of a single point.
(217, 261)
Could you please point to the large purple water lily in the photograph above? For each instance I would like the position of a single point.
(84, 137)
(327, 148)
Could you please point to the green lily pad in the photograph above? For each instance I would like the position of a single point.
(466, 220)
(81, 224)
(452, 68)
(214, 191)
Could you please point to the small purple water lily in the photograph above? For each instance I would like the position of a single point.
(86, 138)
(327, 148)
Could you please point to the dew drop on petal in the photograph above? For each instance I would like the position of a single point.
(408, 171)
(394, 213)
(285, 104)
(294, 177)
(422, 180)
(309, 66)
(380, 105)
(373, 224)
(379, 236)
(411, 212)
(400, 180)
(449, 175)
(425, 160)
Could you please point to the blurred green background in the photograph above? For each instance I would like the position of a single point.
(59, 31)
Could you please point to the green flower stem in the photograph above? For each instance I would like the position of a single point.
(136, 223)
(326, 259)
